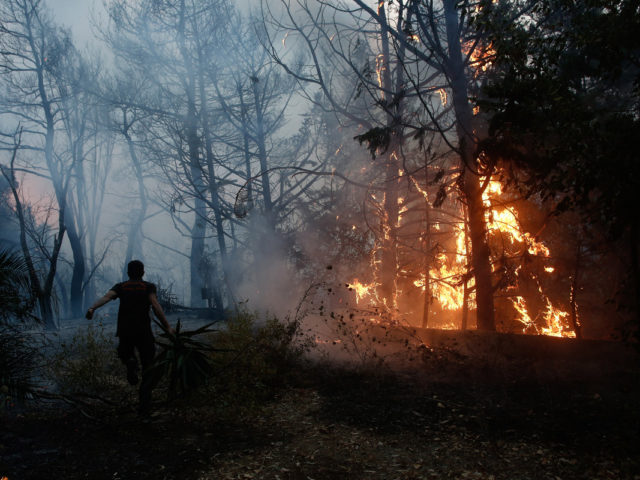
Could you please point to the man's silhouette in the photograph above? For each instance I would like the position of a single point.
(134, 325)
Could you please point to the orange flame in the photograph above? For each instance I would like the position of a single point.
(446, 277)
(362, 290)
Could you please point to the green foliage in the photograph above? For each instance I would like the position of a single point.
(19, 359)
(184, 361)
(14, 288)
(88, 364)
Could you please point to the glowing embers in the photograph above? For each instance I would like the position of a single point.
(443, 97)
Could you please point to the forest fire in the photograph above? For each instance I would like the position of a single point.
(449, 284)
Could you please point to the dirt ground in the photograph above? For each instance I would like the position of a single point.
(447, 416)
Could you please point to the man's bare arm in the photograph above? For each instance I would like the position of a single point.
(157, 309)
(110, 295)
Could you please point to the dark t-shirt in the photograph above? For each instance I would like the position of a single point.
(133, 314)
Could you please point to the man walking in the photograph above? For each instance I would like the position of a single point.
(134, 326)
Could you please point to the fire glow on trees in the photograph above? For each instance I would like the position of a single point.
(449, 269)
(442, 268)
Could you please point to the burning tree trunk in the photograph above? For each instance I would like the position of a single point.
(390, 96)
(427, 263)
(465, 280)
(389, 230)
(470, 176)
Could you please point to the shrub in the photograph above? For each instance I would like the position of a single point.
(19, 360)
(254, 360)
(88, 364)
(17, 302)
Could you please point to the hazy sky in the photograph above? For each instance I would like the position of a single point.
(76, 14)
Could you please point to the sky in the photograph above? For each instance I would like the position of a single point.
(76, 14)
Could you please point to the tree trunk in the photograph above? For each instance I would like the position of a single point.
(471, 187)
(427, 268)
(213, 189)
(389, 227)
(574, 293)
(262, 154)
(75, 218)
(427, 253)
(133, 239)
(198, 230)
(77, 277)
(389, 253)
(465, 292)
(634, 244)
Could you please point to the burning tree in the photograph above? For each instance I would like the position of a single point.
(444, 226)
(563, 99)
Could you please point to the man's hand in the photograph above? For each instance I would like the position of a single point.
(110, 295)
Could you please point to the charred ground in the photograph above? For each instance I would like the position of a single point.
(444, 415)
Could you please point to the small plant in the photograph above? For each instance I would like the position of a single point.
(184, 361)
(167, 299)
